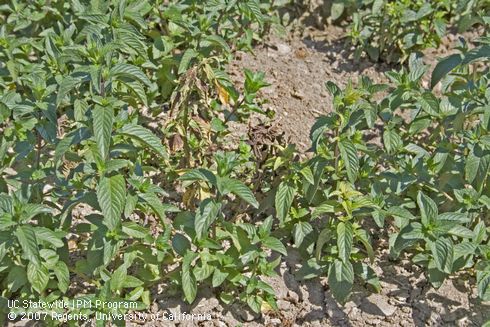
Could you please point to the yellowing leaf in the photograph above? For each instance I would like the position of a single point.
(204, 193)
(223, 95)
(265, 307)
(188, 197)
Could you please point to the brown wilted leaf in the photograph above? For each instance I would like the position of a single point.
(176, 144)
(188, 197)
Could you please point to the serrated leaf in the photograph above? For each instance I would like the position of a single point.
(145, 136)
(16, 278)
(348, 153)
(118, 277)
(363, 236)
(111, 195)
(283, 200)
(38, 276)
(300, 231)
(205, 216)
(134, 230)
(47, 235)
(428, 209)
(189, 284)
(218, 277)
(443, 254)
(129, 71)
(454, 216)
(185, 61)
(67, 84)
(241, 190)
(323, 238)
(461, 231)
(218, 41)
(199, 174)
(430, 104)
(392, 141)
(483, 285)
(62, 275)
(340, 279)
(477, 167)
(28, 242)
(443, 67)
(103, 119)
(344, 240)
(275, 245)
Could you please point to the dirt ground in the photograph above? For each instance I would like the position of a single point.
(297, 68)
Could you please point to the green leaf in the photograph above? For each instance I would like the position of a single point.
(181, 244)
(340, 279)
(443, 253)
(368, 275)
(205, 216)
(308, 175)
(428, 209)
(146, 137)
(185, 61)
(348, 153)
(461, 231)
(392, 141)
(275, 245)
(454, 216)
(241, 190)
(63, 275)
(199, 174)
(436, 276)
(254, 302)
(103, 118)
(337, 9)
(111, 195)
(134, 230)
(139, 90)
(283, 200)
(477, 167)
(129, 71)
(326, 207)
(218, 277)
(67, 84)
(156, 204)
(28, 242)
(323, 238)
(377, 6)
(254, 7)
(38, 276)
(344, 240)
(189, 284)
(481, 52)
(483, 285)
(300, 230)
(16, 278)
(443, 67)
(118, 277)
(430, 104)
(363, 236)
(217, 41)
(47, 235)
